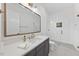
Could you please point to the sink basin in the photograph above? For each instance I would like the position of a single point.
(34, 40)
(24, 45)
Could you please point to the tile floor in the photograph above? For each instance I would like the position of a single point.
(63, 49)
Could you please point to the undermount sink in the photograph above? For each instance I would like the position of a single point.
(25, 45)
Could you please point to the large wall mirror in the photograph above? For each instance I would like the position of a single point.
(19, 20)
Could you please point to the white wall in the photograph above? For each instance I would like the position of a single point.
(13, 39)
(75, 25)
(70, 23)
(43, 14)
(66, 17)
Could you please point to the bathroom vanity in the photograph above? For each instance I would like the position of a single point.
(20, 20)
(41, 50)
(39, 47)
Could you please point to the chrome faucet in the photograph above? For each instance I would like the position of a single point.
(24, 39)
(32, 35)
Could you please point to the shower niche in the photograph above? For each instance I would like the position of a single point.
(20, 20)
(59, 24)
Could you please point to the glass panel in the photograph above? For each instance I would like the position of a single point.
(21, 20)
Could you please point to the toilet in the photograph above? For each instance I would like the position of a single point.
(52, 46)
(76, 46)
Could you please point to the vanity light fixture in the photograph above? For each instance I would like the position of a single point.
(77, 15)
(32, 5)
(1, 11)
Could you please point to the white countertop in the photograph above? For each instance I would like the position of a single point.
(13, 50)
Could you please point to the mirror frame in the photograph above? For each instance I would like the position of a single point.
(5, 20)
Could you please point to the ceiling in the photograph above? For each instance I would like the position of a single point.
(52, 8)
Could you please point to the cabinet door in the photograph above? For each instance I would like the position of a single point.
(46, 48)
(40, 50)
(31, 53)
(43, 49)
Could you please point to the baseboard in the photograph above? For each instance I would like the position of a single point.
(61, 41)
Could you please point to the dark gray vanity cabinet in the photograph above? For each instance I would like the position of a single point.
(40, 50)
(31, 53)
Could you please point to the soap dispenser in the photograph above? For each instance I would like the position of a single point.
(24, 39)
